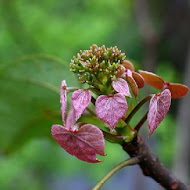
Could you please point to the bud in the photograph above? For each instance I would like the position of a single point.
(128, 65)
(98, 66)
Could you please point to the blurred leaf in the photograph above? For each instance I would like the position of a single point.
(29, 98)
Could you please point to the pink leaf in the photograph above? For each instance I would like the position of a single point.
(120, 85)
(83, 144)
(71, 118)
(158, 108)
(63, 100)
(111, 108)
(80, 99)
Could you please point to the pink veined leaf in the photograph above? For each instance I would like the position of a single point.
(63, 99)
(158, 108)
(80, 100)
(120, 85)
(111, 108)
(83, 144)
(132, 83)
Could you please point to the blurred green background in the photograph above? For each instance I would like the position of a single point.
(37, 42)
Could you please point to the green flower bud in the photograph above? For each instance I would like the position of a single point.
(98, 66)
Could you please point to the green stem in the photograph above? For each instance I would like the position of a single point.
(71, 89)
(137, 107)
(112, 138)
(141, 122)
(128, 162)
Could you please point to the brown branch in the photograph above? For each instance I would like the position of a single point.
(151, 166)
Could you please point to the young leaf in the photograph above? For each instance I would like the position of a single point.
(120, 85)
(177, 90)
(132, 83)
(80, 100)
(158, 108)
(128, 65)
(83, 143)
(63, 100)
(111, 108)
(138, 79)
(152, 79)
(71, 118)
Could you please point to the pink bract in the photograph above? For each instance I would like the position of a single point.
(111, 108)
(158, 108)
(120, 85)
(80, 100)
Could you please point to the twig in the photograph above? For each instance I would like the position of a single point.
(128, 162)
(137, 107)
(141, 122)
(151, 166)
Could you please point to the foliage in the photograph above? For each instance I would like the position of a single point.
(29, 98)
(107, 72)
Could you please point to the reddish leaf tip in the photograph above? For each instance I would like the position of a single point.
(138, 79)
(128, 65)
(177, 90)
(152, 79)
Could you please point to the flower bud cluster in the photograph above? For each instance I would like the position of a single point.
(98, 66)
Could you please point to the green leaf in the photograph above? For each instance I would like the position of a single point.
(29, 98)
